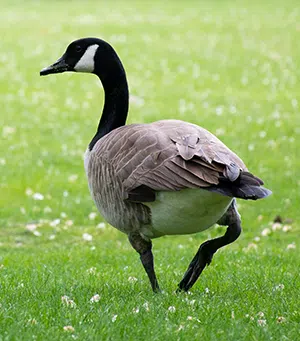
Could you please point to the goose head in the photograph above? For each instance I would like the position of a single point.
(93, 55)
(89, 55)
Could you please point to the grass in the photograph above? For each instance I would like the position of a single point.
(229, 67)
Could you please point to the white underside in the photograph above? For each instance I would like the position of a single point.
(185, 212)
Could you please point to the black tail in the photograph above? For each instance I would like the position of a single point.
(246, 186)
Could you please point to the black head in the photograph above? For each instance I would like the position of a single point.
(81, 56)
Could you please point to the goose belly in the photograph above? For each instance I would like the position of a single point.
(186, 211)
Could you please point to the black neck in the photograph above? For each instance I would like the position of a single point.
(115, 108)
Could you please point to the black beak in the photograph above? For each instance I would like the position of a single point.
(58, 67)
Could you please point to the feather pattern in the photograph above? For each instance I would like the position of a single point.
(131, 165)
(167, 155)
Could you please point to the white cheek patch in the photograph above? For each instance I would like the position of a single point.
(87, 63)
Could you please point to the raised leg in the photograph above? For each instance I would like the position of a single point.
(144, 248)
(206, 250)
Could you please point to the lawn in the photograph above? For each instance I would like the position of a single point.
(229, 67)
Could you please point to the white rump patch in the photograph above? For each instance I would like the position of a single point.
(87, 63)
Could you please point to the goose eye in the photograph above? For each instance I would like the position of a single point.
(78, 48)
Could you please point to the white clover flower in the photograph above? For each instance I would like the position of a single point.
(91, 270)
(146, 306)
(132, 279)
(262, 134)
(54, 222)
(92, 215)
(251, 246)
(69, 223)
(72, 178)
(251, 147)
(276, 226)
(68, 329)
(219, 111)
(6, 130)
(72, 304)
(95, 298)
(291, 246)
(281, 319)
(101, 226)
(286, 228)
(262, 323)
(265, 232)
(136, 310)
(68, 302)
(47, 209)
(38, 196)
(172, 309)
(31, 227)
(87, 237)
(279, 287)
(180, 328)
(220, 131)
(260, 217)
(63, 215)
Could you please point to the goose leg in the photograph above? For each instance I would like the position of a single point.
(206, 250)
(144, 248)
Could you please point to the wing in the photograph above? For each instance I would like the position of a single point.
(167, 155)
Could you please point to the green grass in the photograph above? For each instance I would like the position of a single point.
(229, 67)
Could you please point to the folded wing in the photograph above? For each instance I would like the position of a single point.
(171, 155)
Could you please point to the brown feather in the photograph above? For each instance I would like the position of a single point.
(167, 155)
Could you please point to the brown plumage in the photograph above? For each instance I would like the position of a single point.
(167, 155)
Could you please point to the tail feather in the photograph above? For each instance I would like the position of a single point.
(247, 186)
(251, 192)
(250, 179)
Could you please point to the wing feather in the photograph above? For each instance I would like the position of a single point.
(167, 155)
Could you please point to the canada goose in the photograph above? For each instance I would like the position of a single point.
(164, 178)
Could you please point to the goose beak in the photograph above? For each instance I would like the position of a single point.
(58, 67)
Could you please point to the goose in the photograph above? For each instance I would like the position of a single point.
(169, 177)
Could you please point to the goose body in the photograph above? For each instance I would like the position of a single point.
(164, 178)
(180, 182)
